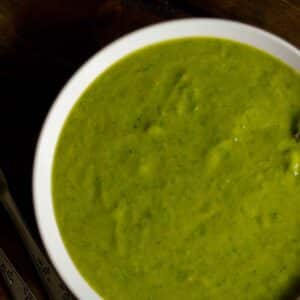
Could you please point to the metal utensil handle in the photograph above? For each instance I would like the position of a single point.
(16, 285)
(53, 284)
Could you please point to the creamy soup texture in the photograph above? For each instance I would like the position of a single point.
(177, 175)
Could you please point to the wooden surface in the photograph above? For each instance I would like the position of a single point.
(43, 42)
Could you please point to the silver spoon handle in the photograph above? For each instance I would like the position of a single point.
(16, 285)
(53, 284)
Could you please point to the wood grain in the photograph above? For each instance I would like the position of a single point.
(42, 43)
(281, 16)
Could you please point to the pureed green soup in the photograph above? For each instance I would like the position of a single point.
(176, 175)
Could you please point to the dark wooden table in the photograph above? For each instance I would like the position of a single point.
(43, 42)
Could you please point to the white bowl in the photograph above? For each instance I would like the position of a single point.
(79, 82)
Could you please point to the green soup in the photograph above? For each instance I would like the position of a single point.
(176, 175)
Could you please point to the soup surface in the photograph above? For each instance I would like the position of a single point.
(177, 175)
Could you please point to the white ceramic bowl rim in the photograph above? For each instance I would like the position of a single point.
(80, 81)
